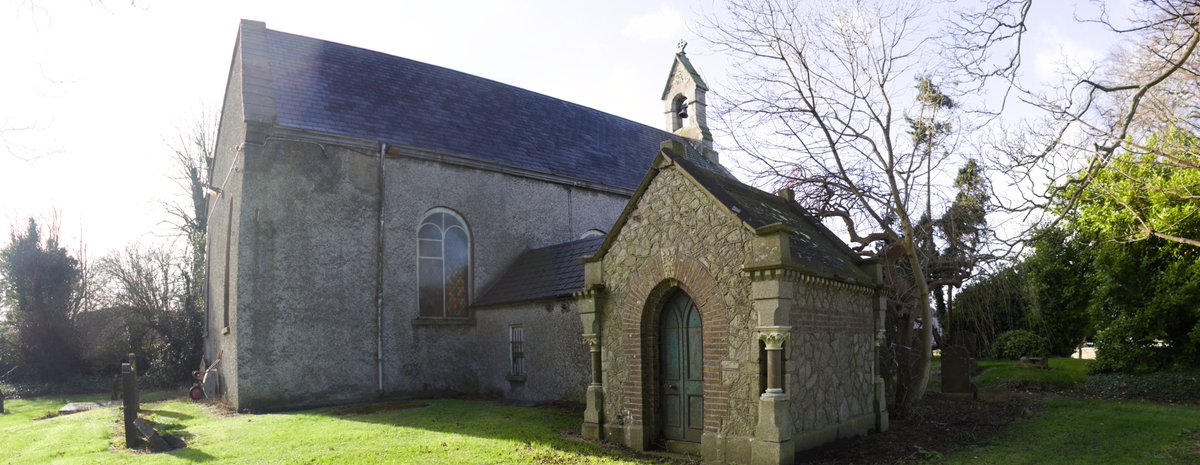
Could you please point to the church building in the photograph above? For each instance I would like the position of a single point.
(381, 227)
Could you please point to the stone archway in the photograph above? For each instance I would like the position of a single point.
(651, 285)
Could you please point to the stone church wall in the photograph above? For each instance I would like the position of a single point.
(307, 284)
(678, 233)
(830, 368)
(308, 254)
(227, 176)
(556, 359)
(506, 215)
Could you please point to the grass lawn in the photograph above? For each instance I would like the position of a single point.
(1065, 431)
(1083, 431)
(445, 431)
(1064, 373)
(1095, 432)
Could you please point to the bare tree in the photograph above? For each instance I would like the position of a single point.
(1118, 109)
(820, 94)
(152, 284)
(193, 151)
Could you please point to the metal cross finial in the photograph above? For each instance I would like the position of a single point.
(681, 45)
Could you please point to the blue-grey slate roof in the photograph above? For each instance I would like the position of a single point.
(541, 274)
(317, 85)
(812, 245)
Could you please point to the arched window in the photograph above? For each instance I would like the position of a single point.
(444, 258)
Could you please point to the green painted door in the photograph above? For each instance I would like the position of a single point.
(682, 370)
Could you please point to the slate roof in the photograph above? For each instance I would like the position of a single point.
(813, 246)
(311, 84)
(542, 274)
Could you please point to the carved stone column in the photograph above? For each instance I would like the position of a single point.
(773, 338)
(773, 433)
(593, 343)
(593, 415)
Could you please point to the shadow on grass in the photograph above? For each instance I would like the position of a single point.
(192, 455)
(167, 414)
(479, 419)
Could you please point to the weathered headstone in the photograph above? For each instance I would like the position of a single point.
(2, 411)
(130, 388)
(956, 373)
(966, 339)
(156, 442)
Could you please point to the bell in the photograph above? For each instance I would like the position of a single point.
(682, 112)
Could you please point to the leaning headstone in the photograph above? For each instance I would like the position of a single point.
(174, 441)
(129, 385)
(956, 373)
(156, 442)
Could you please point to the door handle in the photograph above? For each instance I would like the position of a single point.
(670, 386)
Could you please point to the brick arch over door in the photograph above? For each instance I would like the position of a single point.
(649, 288)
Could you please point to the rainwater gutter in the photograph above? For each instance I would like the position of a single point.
(379, 270)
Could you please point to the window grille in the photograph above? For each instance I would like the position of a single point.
(516, 339)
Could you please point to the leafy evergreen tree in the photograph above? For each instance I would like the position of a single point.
(39, 278)
(1057, 274)
(1138, 213)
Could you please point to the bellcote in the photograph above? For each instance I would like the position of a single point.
(684, 104)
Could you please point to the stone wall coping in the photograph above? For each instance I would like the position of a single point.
(796, 274)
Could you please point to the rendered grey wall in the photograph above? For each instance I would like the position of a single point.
(557, 365)
(307, 254)
(227, 176)
(506, 215)
(306, 330)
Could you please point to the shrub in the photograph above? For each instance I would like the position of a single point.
(1021, 343)
(1126, 346)
(1163, 385)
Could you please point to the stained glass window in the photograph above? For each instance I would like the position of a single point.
(443, 268)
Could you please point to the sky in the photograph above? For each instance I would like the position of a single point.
(92, 92)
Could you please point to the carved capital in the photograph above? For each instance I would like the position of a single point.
(592, 341)
(774, 336)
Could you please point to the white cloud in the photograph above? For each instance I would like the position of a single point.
(666, 23)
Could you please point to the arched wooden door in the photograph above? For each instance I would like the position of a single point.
(681, 370)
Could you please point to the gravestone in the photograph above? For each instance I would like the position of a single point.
(966, 339)
(2, 403)
(156, 442)
(76, 407)
(130, 393)
(956, 373)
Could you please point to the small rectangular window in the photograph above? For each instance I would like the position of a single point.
(516, 339)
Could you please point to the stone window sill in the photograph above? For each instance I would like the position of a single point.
(443, 322)
(516, 378)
